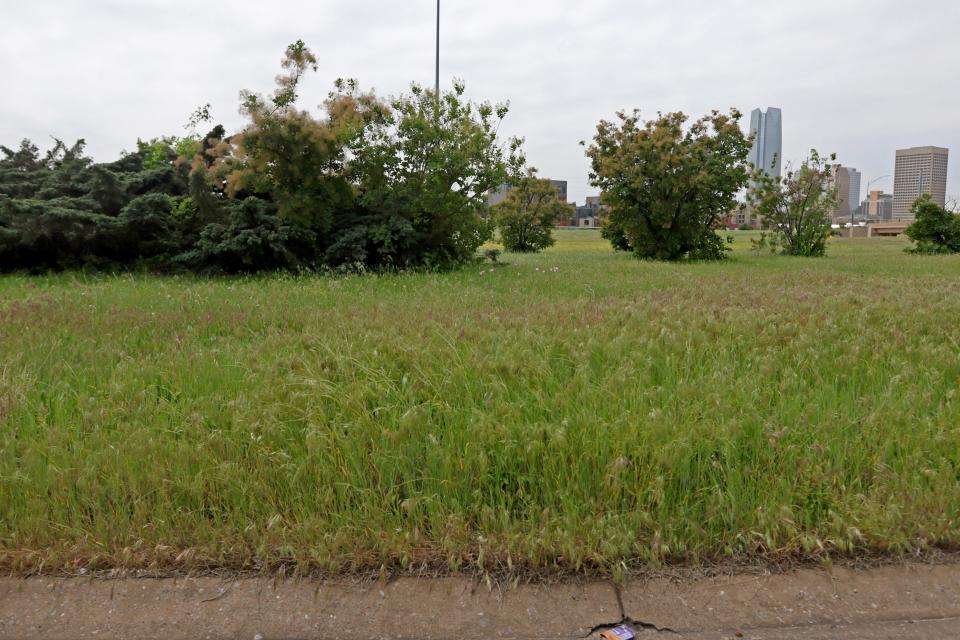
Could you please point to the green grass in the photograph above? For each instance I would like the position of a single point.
(577, 410)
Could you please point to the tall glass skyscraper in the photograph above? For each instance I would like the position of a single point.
(855, 180)
(767, 129)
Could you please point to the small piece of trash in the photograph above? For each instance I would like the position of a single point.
(620, 633)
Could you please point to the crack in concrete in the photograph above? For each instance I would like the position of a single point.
(627, 620)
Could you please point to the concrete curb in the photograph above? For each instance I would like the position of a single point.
(914, 601)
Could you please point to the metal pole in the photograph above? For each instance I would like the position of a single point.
(438, 50)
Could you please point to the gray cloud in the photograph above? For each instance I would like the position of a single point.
(856, 77)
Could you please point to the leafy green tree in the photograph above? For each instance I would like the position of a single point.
(293, 158)
(936, 230)
(158, 153)
(668, 184)
(796, 208)
(528, 215)
(432, 162)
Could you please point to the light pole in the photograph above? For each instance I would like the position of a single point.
(438, 50)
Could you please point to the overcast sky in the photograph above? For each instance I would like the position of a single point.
(857, 77)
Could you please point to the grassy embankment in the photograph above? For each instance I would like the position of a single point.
(575, 410)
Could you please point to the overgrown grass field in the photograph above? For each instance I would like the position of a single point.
(576, 410)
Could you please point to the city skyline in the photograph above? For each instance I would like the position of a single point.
(108, 71)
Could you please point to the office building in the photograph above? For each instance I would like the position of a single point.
(878, 207)
(919, 170)
(590, 215)
(846, 180)
(766, 127)
(856, 179)
(561, 187)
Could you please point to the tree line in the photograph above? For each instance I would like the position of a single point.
(402, 183)
(366, 184)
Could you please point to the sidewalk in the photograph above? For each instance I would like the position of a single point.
(918, 602)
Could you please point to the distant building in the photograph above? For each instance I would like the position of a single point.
(919, 170)
(500, 194)
(588, 216)
(847, 182)
(877, 207)
(856, 179)
(743, 217)
(767, 129)
(561, 187)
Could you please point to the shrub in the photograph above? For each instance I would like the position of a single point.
(935, 230)
(796, 208)
(432, 162)
(253, 239)
(527, 217)
(366, 183)
(668, 185)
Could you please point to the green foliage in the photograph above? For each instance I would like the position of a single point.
(935, 230)
(613, 230)
(157, 153)
(22, 171)
(49, 209)
(54, 234)
(294, 159)
(62, 211)
(378, 185)
(796, 208)
(765, 243)
(107, 190)
(145, 226)
(668, 185)
(372, 241)
(432, 162)
(528, 215)
(366, 184)
(251, 239)
(187, 147)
